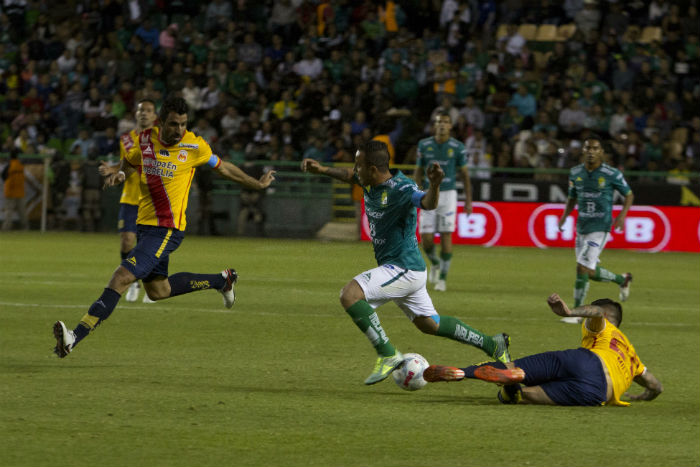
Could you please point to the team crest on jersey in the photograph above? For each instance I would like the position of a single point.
(164, 153)
(578, 179)
(182, 157)
(601, 182)
(450, 152)
(147, 151)
(385, 198)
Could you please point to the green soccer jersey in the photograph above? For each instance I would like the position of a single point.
(451, 155)
(391, 212)
(594, 192)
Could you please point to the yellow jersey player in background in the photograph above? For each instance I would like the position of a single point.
(129, 201)
(597, 373)
(166, 157)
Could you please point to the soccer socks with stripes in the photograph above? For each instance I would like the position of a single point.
(603, 275)
(580, 288)
(365, 318)
(445, 259)
(98, 312)
(430, 252)
(454, 329)
(186, 282)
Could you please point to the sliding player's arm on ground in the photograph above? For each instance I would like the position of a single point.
(432, 196)
(652, 387)
(344, 174)
(233, 173)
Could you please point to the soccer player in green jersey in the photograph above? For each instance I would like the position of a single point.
(452, 157)
(591, 186)
(391, 200)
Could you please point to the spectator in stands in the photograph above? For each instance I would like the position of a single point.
(13, 178)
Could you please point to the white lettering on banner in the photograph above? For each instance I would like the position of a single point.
(473, 226)
(519, 192)
(485, 191)
(556, 194)
(551, 228)
(639, 229)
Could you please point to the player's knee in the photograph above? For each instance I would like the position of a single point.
(351, 294)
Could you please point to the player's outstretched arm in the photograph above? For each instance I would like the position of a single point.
(653, 387)
(233, 173)
(595, 314)
(340, 173)
(432, 196)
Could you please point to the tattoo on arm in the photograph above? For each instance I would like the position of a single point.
(342, 174)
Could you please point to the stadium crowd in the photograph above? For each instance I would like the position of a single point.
(286, 79)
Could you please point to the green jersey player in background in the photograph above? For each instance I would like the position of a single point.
(591, 186)
(452, 157)
(391, 200)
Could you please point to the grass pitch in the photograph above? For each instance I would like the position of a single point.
(277, 381)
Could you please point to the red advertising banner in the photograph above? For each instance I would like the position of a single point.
(647, 228)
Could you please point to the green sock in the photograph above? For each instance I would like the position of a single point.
(365, 318)
(444, 264)
(580, 288)
(454, 329)
(603, 275)
(430, 252)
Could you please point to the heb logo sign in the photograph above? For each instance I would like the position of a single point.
(483, 226)
(646, 228)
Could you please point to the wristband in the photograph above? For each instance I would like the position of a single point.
(121, 172)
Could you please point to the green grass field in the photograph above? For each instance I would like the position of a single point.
(278, 381)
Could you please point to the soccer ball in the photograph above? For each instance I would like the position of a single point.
(410, 375)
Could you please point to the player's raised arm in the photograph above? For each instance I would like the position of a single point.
(233, 173)
(432, 196)
(340, 173)
(652, 387)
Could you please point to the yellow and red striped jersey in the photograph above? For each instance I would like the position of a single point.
(619, 356)
(166, 174)
(131, 190)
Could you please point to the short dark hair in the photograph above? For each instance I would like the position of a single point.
(614, 309)
(172, 104)
(442, 113)
(147, 99)
(376, 154)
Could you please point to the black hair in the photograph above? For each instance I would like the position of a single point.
(376, 154)
(443, 113)
(614, 309)
(149, 100)
(172, 104)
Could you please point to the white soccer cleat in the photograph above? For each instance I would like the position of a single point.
(572, 320)
(230, 276)
(64, 339)
(132, 294)
(441, 285)
(147, 299)
(433, 274)
(625, 287)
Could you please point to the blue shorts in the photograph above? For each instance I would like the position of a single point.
(150, 256)
(127, 217)
(568, 377)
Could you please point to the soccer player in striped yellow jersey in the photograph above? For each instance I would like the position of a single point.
(129, 201)
(597, 373)
(165, 157)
